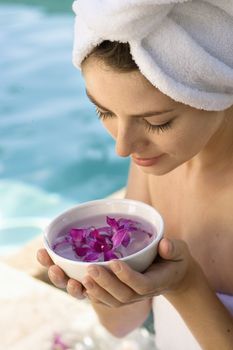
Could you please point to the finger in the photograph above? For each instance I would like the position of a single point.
(96, 301)
(43, 258)
(136, 281)
(170, 272)
(163, 275)
(93, 299)
(98, 294)
(75, 289)
(172, 249)
(57, 276)
(110, 283)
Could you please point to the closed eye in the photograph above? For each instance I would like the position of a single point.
(149, 127)
(159, 128)
(103, 115)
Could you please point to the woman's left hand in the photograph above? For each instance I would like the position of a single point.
(171, 272)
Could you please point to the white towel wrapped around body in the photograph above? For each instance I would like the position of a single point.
(183, 47)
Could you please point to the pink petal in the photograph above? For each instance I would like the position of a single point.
(126, 240)
(112, 222)
(77, 233)
(118, 237)
(80, 251)
(92, 257)
(58, 343)
(110, 255)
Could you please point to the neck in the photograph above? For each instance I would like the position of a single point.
(218, 153)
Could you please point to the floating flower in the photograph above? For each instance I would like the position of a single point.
(101, 244)
(58, 343)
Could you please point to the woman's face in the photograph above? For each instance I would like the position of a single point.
(145, 123)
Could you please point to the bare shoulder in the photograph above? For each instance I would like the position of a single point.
(224, 207)
(137, 185)
(225, 236)
(225, 201)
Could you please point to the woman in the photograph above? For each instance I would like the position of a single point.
(162, 83)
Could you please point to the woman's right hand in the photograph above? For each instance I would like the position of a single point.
(58, 277)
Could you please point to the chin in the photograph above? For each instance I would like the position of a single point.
(159, 171)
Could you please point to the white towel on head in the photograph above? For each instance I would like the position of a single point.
(183, 47)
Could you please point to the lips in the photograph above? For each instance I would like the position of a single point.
(137, 158)
(147, 161)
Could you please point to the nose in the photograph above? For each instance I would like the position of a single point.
(128, 141)
(123, 147)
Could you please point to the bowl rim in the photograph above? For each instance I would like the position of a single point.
(96, 202)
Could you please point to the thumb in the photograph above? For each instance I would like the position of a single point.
(172, 249)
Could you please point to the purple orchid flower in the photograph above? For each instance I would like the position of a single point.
(58, 343)
(103, 243)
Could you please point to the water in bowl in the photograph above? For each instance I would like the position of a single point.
(140, 234)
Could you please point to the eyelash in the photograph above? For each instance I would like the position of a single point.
(149, 127)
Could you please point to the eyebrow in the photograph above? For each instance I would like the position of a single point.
(141, 115)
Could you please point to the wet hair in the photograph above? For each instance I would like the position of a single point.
(115, 55)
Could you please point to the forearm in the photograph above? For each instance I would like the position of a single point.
(121, 321)
(204, 314)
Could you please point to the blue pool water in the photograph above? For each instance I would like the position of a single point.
(54, 151)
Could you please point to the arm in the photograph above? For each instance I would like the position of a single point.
(206, 317)
(121, 321)
(181, 280)
(208, 320)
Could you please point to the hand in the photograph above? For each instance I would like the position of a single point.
(58, 277)
(171, 273)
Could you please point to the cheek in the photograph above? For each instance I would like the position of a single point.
(190, 140)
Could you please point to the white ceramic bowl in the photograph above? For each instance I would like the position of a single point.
(139, 261)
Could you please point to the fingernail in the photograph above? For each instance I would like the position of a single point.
(54, 275)
(60, 285)
(116, 267)
(56, 280)
(73, 288)
(93, 272)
